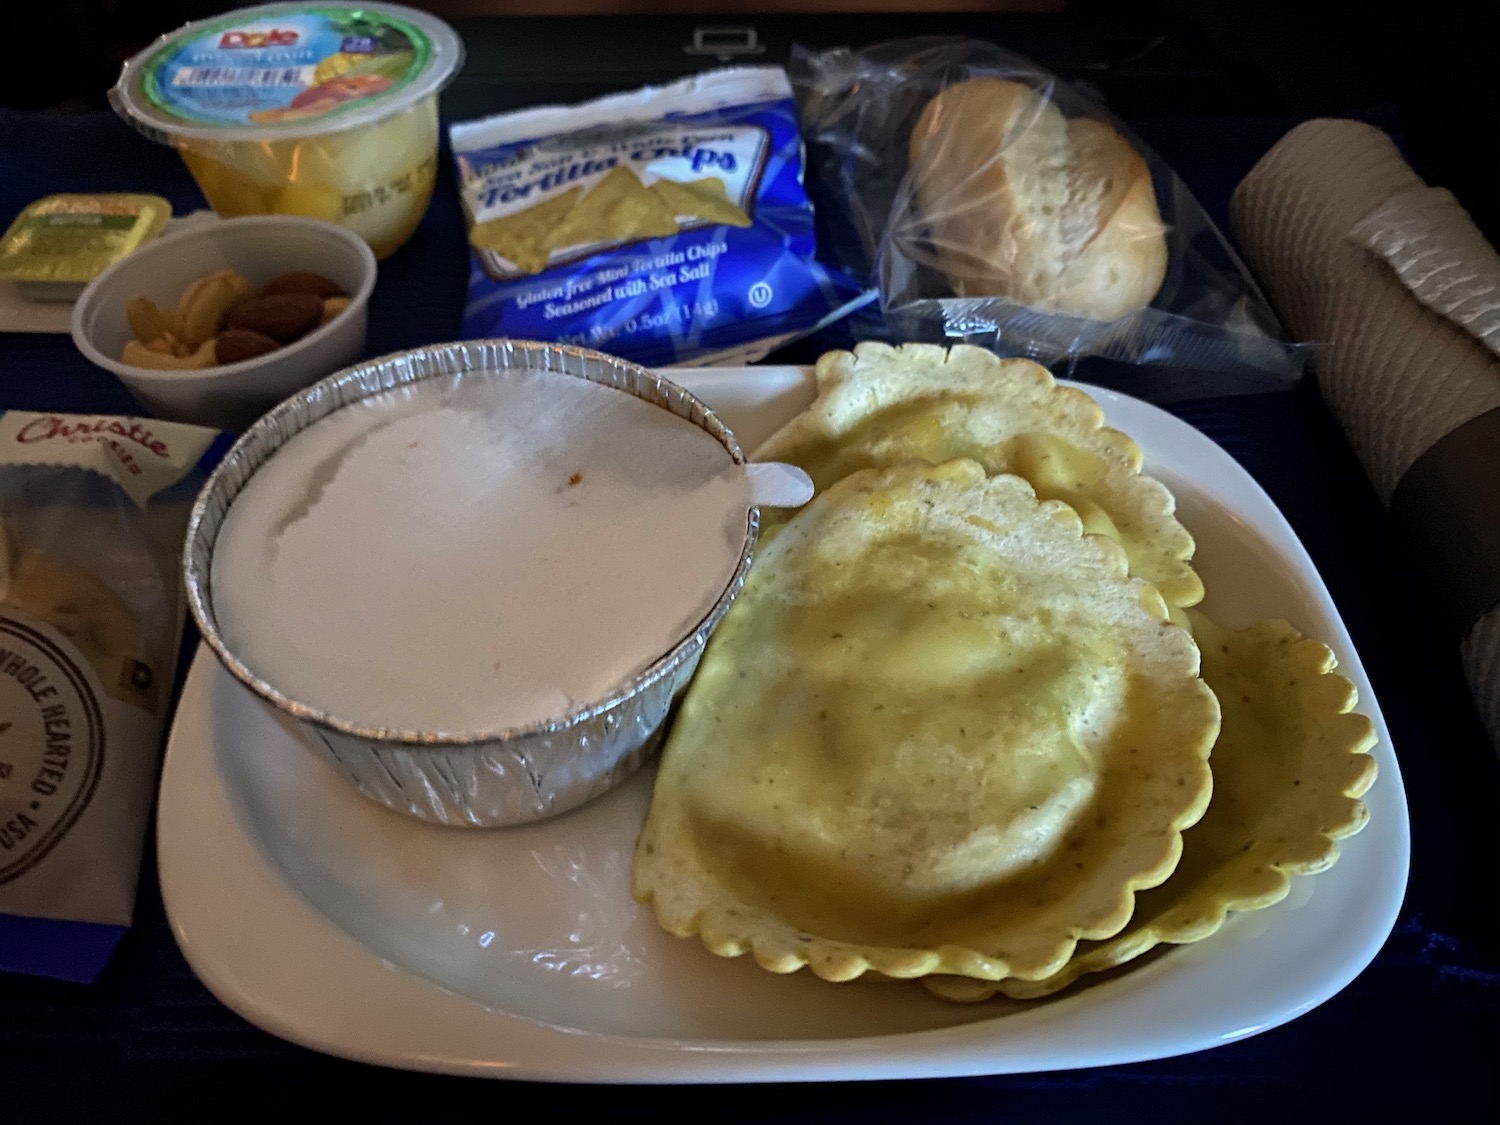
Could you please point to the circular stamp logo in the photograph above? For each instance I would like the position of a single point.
(51, 745)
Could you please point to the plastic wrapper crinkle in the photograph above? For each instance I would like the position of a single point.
(92, 514)
(665, 225)
(992, 204)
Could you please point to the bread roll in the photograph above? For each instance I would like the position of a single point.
(1023, 203)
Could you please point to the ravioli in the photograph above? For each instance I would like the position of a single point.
(880, 405)
(1290, 765)
(941, 731)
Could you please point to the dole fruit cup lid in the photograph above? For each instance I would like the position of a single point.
(286, 70)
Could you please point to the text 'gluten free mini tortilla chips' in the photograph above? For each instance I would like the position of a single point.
(1289, 767)
(941, 731)
(879, 406)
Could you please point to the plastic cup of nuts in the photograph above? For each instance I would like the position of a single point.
(218, 324)
(222, 319)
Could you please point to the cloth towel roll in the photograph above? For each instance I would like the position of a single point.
(1402, 294)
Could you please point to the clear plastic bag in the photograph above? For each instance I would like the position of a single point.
(994, 205)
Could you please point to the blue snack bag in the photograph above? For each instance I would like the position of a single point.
(664, 225)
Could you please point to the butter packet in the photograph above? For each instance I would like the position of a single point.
(59, 244)
(92, 513)
(665, 225)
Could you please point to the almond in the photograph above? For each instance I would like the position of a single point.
(236, 345)
(283, 317)
(301, 281)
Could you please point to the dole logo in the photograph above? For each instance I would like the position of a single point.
(273, 37)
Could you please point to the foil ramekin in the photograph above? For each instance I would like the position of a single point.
(490, 778)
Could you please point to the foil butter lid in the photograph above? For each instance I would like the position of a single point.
(62, 242)
(286, 70)
(533, 542)
(562, 517)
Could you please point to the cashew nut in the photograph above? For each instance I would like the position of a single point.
(138, 354)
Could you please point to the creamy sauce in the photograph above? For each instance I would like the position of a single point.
(477, 552)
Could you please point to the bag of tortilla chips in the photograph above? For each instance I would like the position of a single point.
(664, 225)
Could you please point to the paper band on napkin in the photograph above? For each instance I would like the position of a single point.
(1449, 503)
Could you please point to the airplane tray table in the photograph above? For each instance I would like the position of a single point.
(1417, 1027)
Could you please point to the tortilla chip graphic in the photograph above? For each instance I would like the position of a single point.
(617, 209)
(700, 199)
(521, 237)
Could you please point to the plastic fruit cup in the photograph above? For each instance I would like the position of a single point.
(327, 110)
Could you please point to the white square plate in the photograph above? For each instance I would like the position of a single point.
(331, 921)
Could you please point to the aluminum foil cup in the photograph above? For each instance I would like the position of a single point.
(492, 778)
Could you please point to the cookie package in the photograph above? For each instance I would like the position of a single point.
(92, 514)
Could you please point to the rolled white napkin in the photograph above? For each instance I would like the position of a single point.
(1402, 294)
